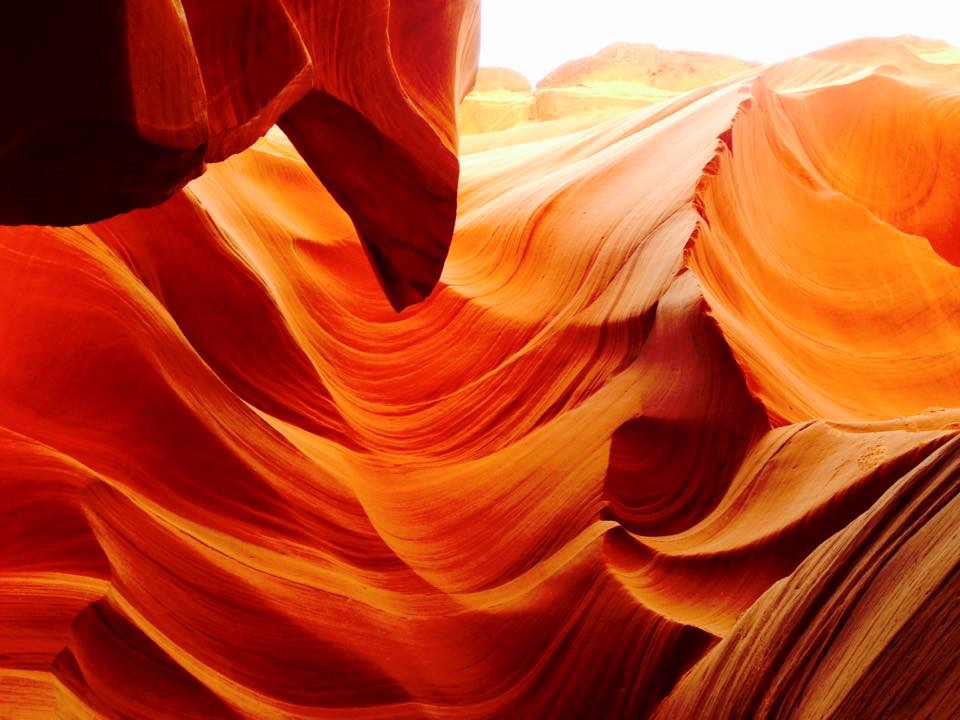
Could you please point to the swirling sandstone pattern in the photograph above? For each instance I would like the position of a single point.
(672, 437)
(116, 104)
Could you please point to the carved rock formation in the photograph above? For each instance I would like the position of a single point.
(676, 435)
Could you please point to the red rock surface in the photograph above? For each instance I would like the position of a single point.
(117, 105)
(675, 436)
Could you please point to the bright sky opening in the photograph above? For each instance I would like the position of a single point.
(535, 36)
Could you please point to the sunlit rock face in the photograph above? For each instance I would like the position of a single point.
(675, 435)
(614, 81)
(501, 98)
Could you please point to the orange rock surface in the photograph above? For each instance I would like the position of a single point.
(675, 436)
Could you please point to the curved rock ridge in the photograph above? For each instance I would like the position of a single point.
(865, 627)
(674, 436)
(117, 106)
(874, 226)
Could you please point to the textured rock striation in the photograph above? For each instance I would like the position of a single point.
(675, 436)
(118, 104)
